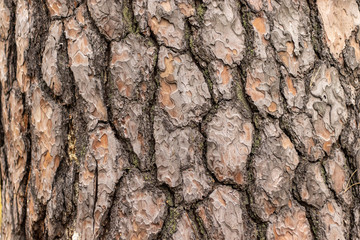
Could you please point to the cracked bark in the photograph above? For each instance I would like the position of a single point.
(179, 119)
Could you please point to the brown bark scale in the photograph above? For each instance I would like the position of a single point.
(180, 119)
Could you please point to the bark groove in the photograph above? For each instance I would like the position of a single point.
(179, 119)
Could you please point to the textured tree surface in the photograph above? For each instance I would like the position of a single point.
(180, 119)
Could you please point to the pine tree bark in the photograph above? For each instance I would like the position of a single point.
(180, 119)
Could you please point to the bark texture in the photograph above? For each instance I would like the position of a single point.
(180, 119)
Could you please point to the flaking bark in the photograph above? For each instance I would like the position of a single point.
(179, 119)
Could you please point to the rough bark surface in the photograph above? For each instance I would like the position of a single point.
(180, 119)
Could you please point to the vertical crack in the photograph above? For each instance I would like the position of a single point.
(96, 192)
(311, 215)
(316, 29)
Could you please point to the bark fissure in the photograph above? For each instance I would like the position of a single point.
(179, 119)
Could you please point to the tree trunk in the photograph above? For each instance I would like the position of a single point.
(180, 119)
